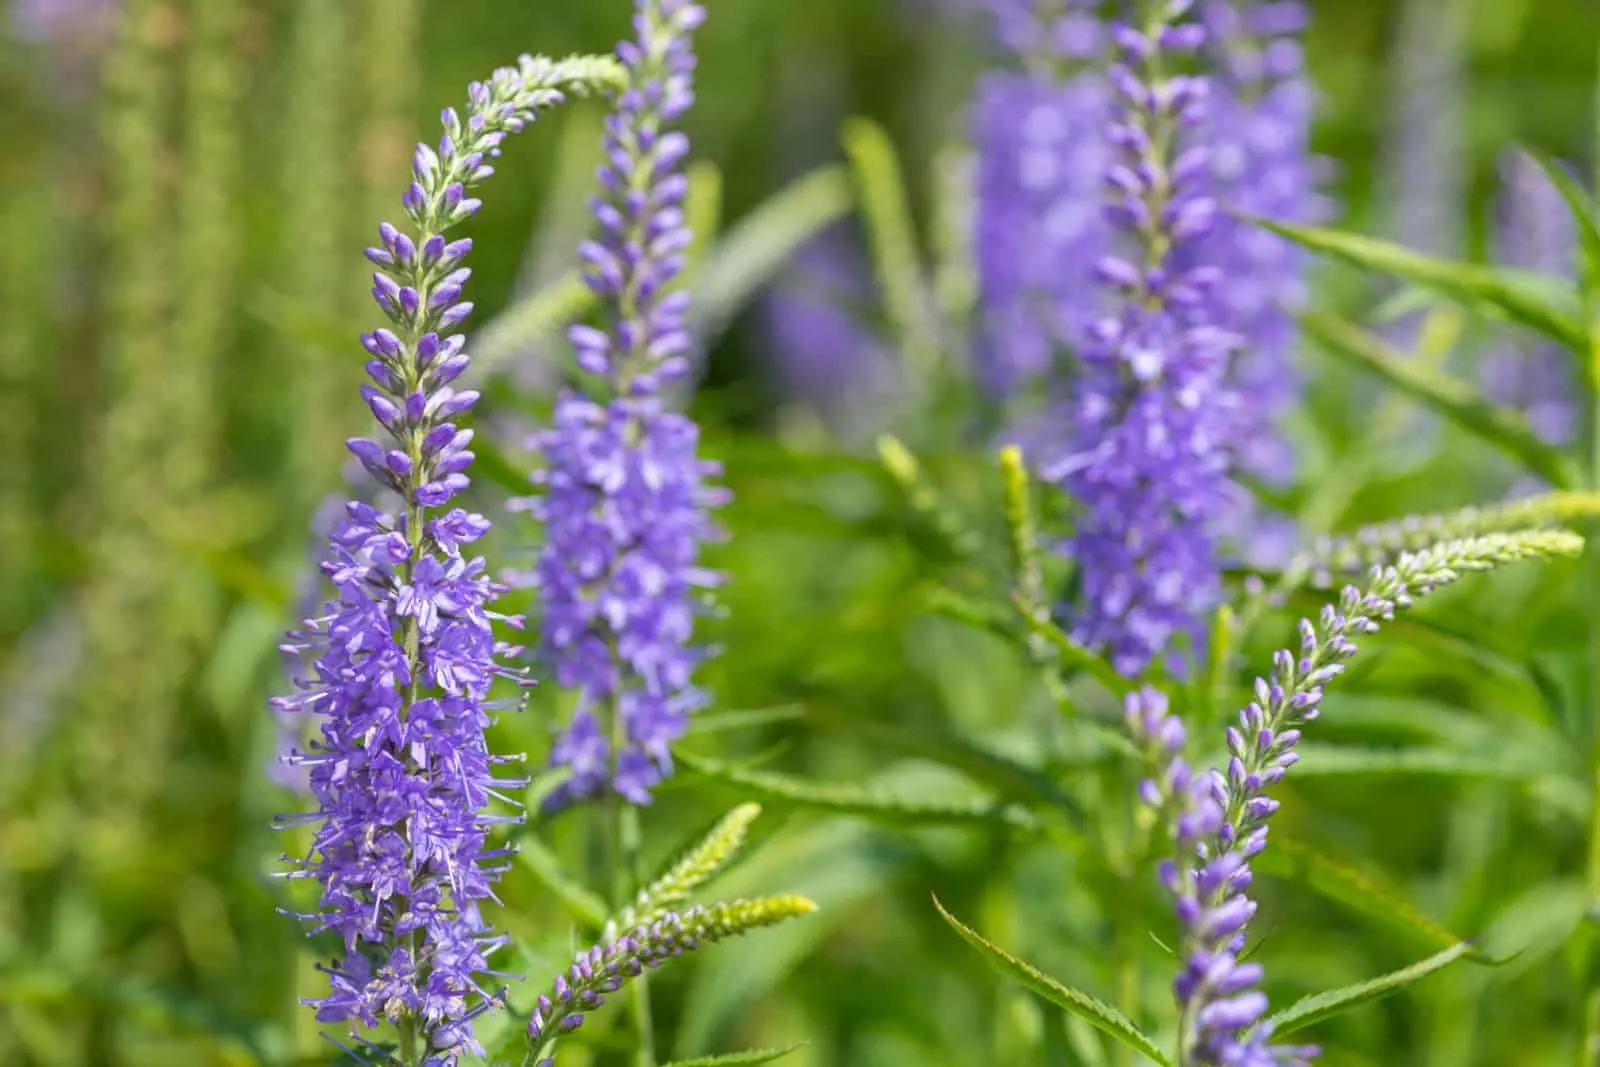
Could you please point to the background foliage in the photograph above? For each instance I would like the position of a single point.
(181, 216)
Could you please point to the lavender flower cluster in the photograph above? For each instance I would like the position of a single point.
(626, 495)
(406, 652)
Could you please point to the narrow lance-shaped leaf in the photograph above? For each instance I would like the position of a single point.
(1457, 401)
(1583, 217)
(878, 805)
(1357, 889)
(747, 1058)
(1501, 291)
(1100, 1015)
(881, 187)
(752, 251)
(1314, 1009)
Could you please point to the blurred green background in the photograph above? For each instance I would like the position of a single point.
(184, 196)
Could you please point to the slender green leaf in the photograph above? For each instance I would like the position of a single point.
(880, 186)
(1100, 1015)
(990, 617)
(1006, 777)
(1325, 760)
(878, 805)
(529, 321)
(1502, 291)
(716, 722)
(1314, 1009)
(755, 249)
(739, 1059)
(583, 905)
(1074, 656)
(1357, 889)
(1504, 428)
(1583, 215)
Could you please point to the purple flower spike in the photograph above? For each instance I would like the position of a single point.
(626, 495)
(1150, 414)
(1220, 1008)
(1218, 820)
(401, 772)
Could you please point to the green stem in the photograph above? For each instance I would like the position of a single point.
(643, 1024)
(625, 880)
(1589, 1049)
(409, 1052)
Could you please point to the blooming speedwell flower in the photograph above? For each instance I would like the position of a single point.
(1218, 822)
(625, 494)
(1536, 233)
(1147, 451)
(401, 772)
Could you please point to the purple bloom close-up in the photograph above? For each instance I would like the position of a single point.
(405, 651)
(626, 495)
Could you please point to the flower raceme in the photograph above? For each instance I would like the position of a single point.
(1147, 455)
(1218, 821)
(406, 654)
(625, 494)
(605, 968)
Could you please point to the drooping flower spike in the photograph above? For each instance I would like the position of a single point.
(1217, 821)
(626, 495)
(401, 773)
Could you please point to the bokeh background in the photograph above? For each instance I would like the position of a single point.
(184, 194)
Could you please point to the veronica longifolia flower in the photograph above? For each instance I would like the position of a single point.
(401, 773)
(625, 493)
(1150, 416)
(1218, 821)
(1536, 233)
